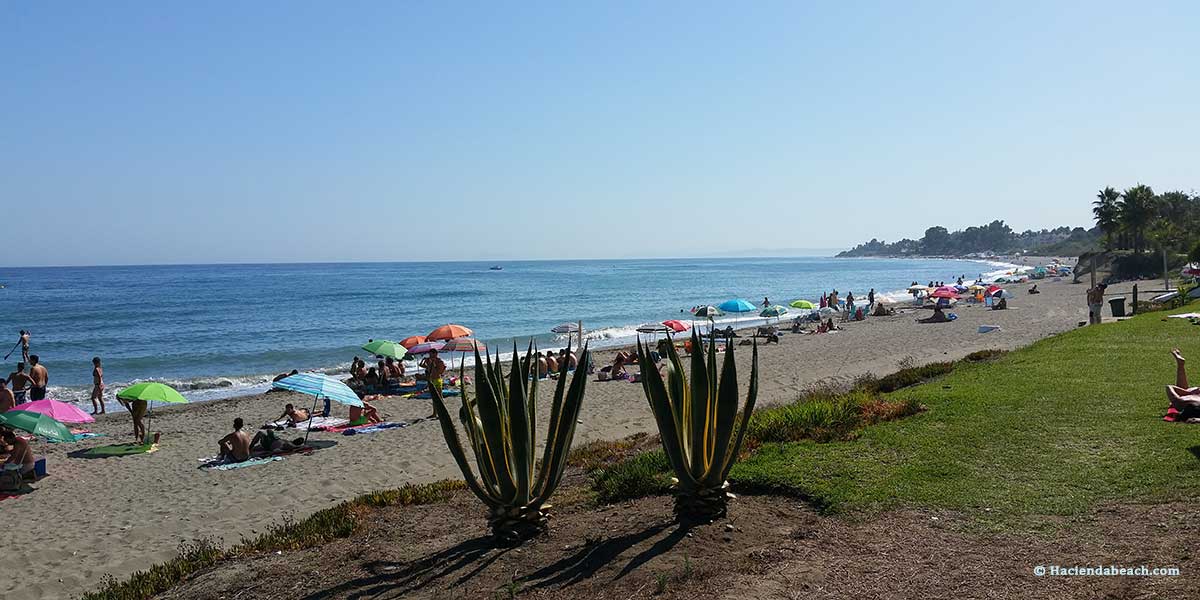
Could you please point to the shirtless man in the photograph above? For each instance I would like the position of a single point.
(20, 382)
(1184, 399)
(97, 387)
(24, 345)
(39, 377)
(7, 400)
(270, 444)
(21, 457)
(294, 415)
(551, 363)
(434, 368)
(235, 447)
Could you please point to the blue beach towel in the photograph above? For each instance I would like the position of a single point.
(378, 427)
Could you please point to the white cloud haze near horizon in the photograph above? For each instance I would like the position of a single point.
(175, 132)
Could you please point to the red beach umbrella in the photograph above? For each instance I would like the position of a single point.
(677, 325)
(945, 292)
(412, 340)
(992, 289)
(448, 332)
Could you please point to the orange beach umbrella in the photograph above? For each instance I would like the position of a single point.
(413, 340)
(448, 332)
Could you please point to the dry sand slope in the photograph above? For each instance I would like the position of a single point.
(117, 515)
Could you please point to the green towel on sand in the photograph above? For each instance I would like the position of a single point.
(117, 450)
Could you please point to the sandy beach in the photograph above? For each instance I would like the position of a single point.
(113, 516)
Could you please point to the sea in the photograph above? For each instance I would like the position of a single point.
(215, 331)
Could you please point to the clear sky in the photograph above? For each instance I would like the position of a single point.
(182, 131)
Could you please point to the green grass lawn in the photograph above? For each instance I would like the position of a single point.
(1052, 429)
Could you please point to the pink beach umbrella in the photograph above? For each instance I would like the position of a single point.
(60, 411)
(945, 292)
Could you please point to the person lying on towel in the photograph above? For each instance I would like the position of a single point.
(1184, 399)
(267, 442)
(294, 415)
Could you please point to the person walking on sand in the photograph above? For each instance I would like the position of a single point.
(766, 303)
(871, 299)
(39, 377)
(97, 387)
(1095, 301)
(19, 380)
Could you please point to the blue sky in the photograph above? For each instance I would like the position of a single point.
(162, 132)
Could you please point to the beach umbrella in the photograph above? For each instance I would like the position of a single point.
(412, 340)
(1002, 294)
(448, 332)
(565, 328)
(805, 304)
(945, 292)
(707, 312)
(653, 328)
(917, 288)
(463, 345)
(992, 289)
(60, 411)
(426, 347)
(975, 288)
(151, 392)
(318, 386)
(676, 325)
(385, 348)
(773, 311)
(38, 424)
(736, 305)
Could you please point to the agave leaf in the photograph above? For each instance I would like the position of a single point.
(551, 434)
(725, 420)
(518, 431)
(494, 429)
(487, 469)
(664, 416)
(697, 412)
(747, 410)
(456, 450)
(562, 429)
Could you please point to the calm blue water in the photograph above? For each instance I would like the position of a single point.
(215, 330)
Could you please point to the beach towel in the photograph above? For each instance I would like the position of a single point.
(373, 427)
(79, 435)
(115, 450)
(429, 395)
(317, 423)
(228, 466)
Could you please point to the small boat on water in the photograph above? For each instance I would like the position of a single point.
(496, 268)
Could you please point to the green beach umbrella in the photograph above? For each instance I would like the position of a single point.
(803, 304)
(773, 311)
(38, 424)
(151, 391)
(386, 348)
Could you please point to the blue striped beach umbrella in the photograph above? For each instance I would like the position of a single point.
(318, 386)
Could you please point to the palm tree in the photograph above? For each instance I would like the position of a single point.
(1138, 207)
(1106, 210)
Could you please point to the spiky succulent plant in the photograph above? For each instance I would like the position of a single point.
(698, 423)
(500, 421)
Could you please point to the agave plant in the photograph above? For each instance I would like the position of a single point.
(500, 422)
(698, 424)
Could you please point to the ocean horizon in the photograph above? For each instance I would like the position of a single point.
(219, 330)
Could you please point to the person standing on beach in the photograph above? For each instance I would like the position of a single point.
(137, 409)
(871, 299)
(766, 303)
(434, 369)
(97, 387)
(20, 383)
(1095, 300)
(39, 378)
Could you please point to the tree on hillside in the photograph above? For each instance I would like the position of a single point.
(1107, 212)
(1138, 208)
(936, 241)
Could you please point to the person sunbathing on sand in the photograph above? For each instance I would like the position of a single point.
(294, 415)
(235, 447)
(937, 317)
(267, 442)
(20, 457)
(1184, 399)
(366, 413)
